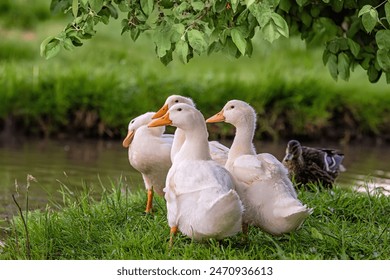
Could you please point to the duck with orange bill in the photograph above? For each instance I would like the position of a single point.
(219, 152)
(267, 193)
(149, 153)
(200, 196)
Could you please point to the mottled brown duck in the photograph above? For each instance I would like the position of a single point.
(312, 165)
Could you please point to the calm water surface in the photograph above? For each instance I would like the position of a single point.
(95, 163)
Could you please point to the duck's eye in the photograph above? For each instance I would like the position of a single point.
(179, 109)
(176, 101)
(232, 107)
(132, 121)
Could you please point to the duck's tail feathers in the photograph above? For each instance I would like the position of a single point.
(333, 162)
(299, 215)
(227, 214)
(294, 214)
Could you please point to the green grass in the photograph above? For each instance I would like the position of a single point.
(344, 225)
(96, 89)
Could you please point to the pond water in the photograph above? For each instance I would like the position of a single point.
(93, 164)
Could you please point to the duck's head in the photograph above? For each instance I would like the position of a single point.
(172, 100)
(293, 150)
(235, 112)
(134, 124)
(181, 115)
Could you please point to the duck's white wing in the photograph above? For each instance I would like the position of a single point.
(171, 199)
(219, 152)
(250, 168)
(263, 169)
(194, 176)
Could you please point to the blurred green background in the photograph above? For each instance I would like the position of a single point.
(95, 90)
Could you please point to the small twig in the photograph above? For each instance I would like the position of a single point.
(25, 228)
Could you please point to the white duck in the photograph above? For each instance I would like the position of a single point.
(200, 195)
(149, 154)
(219, 152)
(262, 181)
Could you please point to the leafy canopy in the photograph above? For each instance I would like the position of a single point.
(353, 32)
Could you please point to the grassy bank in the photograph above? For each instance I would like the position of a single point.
(344, 225)
(95, 90)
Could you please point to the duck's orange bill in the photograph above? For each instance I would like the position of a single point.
(218, 117)
(164, 120)
(127, 141)
(161, 112)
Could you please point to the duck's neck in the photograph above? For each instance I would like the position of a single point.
(242, 143)
(178, 141)
(195, 146)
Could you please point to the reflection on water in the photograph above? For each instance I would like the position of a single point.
(89, 164)
(96, 163)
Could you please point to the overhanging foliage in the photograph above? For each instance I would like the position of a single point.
(353, 32)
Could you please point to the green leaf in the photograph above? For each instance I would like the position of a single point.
(337, 5)
(75, 7)
(182, 51)
(134, 33)
(123, 6)
(383, 58)
(230, 48)
(197, 41)
(177, 32)
(315, 11)
(334, 46)
(234, 4)
(301, 2)
(50, 47)
(249, 48)
(281, 24)
(370, 20)
(262, 13)
(354, 47)
(44, 44)
(343, 66)
(242, 18)
(167, 58)
(238, 39)
(388, 77)
(153, 18)
(248, 3)
(271, 3)
(197, 5)
(332, 66)
(96, 5)
(76, 41)
(285, 5)
(162, 40)
(68, 44)
(306, 18)
(387, 12)
(365, 9)
(147, 6)
(270, 32)
(373, 74)
(325, 56)
(382, 38)
(113, 10)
